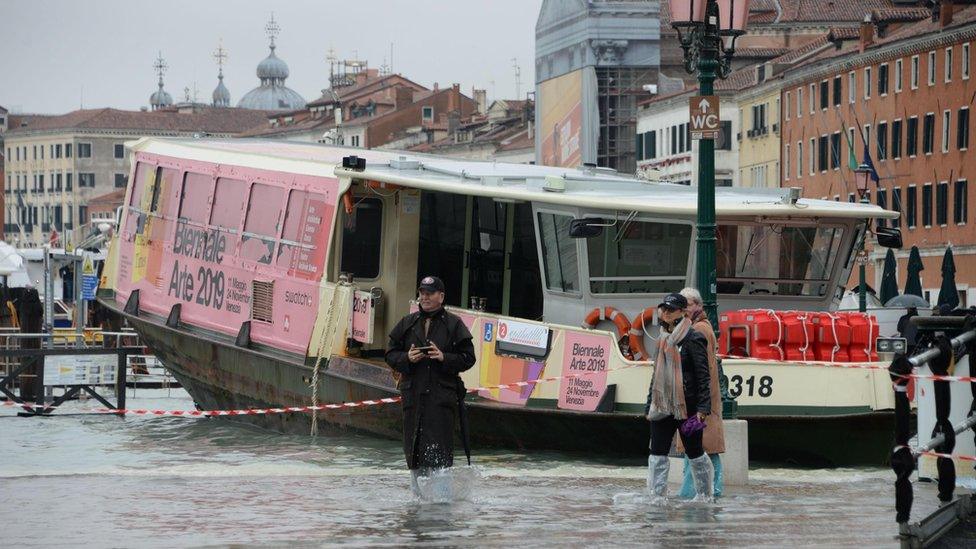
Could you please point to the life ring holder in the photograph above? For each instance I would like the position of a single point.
(619, 320)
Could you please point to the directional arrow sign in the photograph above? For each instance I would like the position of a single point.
(704, 117)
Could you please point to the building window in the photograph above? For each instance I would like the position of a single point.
(759, 118)
(899, 66)
(896, 139)
(86, 180)
(823, 153)
(942, 204)
(960, 210)
(928, 133)
(965, 61)
(799, 102)
(948, 65)
(837, 91)
(931, 68)
(911, 137)
(946, 120)
(883, 79)
(882, 141)
(427, 114)
(927, 205)
(896, 205)
(119, 151)
(84, 150)
(867, 138)
(67, 150)
(57, 150)
(786, 160)
(787, 106)
(962, 129)
(67, 181)
(799, 159)
(120, 180)
(813, 155)
(354, 141)
(835, 151)
(650, 144)
(813, 98)
(867, 82)
(912, 206)
(824, 95)
(883, 204)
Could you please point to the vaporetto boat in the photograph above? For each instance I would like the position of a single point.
(253, 268)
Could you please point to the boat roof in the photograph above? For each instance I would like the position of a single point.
(590, 188)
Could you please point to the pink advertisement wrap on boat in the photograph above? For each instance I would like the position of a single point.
(229, 244)
(584, 354)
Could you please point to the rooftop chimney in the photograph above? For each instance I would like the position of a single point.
(481, 98)
(945, 13)
(867, 33)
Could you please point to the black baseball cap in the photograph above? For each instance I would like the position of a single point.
(674, 302)
(431, 284)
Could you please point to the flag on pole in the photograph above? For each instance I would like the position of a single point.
(870, 165)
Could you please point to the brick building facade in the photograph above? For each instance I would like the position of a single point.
(905, 97)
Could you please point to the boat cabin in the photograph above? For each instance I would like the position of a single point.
(250, 231)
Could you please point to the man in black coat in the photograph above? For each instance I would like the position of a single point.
(429, 349)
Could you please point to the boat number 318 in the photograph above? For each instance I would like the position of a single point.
(739, 385)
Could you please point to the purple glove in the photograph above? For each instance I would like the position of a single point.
(692, 426)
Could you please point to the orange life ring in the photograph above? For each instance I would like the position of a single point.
(637, 333)
(619, 320)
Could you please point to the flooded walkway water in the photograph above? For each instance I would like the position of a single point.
(171, 482)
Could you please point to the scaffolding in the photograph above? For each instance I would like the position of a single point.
(618, 90)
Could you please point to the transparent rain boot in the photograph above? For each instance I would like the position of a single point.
(703, 473)
(657, 475)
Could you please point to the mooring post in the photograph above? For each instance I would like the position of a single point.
(39, 383)
(120, 382)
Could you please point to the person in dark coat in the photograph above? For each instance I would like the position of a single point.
(430, 348)
(30, 311)
(679, 399)
(908, 330)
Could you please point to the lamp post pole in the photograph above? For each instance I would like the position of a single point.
(861, 175)
(708, 62)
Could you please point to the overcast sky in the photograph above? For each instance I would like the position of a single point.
(58, 54)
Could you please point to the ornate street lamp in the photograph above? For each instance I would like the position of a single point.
(707, 31)
(862, 174)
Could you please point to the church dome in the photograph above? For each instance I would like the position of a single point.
(272, 98)
(272, 67)
(160, 99)
(221, 95)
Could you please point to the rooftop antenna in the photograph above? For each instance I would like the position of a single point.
(518, 78)
(391, 57)
(492, 84)
(160, 66)
(330, 56)
(272, 29)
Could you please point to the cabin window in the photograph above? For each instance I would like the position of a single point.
(262, 223)
(559, 257)
(304, 221)
(361, 238)
(144, 174)
(639, 257)
(195, 199)
(776, 259)
(228, 203)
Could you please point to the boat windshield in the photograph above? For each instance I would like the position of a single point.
(776, 259)
(639, 257)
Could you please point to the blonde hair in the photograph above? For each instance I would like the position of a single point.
(692, 295)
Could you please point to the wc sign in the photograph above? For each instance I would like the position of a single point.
(704, 115)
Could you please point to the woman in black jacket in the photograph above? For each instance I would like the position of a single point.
(679, 399)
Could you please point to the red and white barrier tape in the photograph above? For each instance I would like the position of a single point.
(930, 453)
(294, 409)
(853, 366)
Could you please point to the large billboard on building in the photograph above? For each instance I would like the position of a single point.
(567, 119)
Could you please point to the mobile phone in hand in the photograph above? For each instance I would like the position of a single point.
(426, 350)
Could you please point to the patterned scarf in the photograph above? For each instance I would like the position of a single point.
(667, 386)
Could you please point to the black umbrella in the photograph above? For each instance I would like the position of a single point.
(948, 295)
(889, 278)
(913, 285)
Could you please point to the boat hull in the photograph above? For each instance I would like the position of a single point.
(220, 376)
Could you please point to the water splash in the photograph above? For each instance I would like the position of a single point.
(445, 485)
